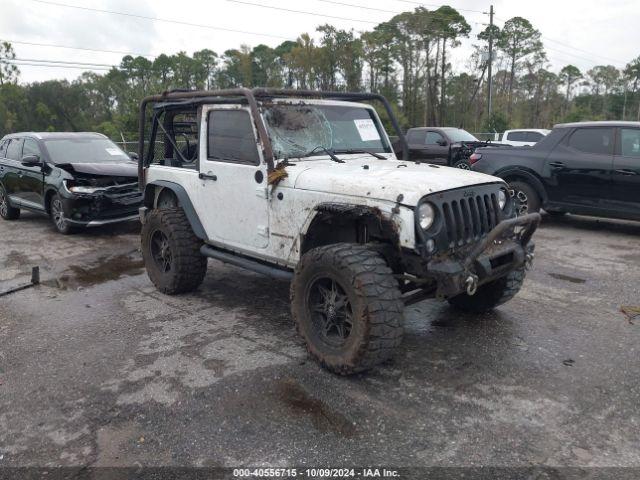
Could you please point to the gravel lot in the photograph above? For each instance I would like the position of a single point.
(99, 369)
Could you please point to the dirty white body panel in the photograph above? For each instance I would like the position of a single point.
(268, 222)
(272, 227)
(369, 177)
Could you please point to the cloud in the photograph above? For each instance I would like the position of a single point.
(600, 32)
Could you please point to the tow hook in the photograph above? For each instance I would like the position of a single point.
(528, 261)
(472, 284)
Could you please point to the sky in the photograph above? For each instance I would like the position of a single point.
(581, 32)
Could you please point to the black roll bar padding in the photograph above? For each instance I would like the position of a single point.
(531, 220)
(250, 96)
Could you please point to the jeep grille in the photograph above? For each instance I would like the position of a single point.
(466, 215)
(468, 219)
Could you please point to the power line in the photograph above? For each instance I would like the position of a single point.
(380, 25)
(585, 51)
(562, 52)
(363, 7)
(57, 61)
(576, 48)
(438, 6)
(81, 67)
(290, 10)
(157, 19)
(80, 48)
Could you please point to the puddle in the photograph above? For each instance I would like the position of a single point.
(105, 269)
(567, 278)
(323, 417)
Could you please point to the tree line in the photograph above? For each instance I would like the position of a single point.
(407, 59)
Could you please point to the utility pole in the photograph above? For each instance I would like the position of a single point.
(490, 60)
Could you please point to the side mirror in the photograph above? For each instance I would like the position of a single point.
(31, 161)
(442, 143)
(133, 155)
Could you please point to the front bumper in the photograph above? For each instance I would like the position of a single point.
(98, 223)
(109, 206)
(501, 251)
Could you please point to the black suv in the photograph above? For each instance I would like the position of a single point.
(77, 179)
(587, 168)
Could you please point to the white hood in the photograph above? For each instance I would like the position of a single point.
(382, 180)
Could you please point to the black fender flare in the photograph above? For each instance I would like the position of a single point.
(183, 199)
(530, 177)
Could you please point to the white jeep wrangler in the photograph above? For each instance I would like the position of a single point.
(304, 186)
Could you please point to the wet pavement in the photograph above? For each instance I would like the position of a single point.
(97, 368)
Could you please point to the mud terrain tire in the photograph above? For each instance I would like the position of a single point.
(491, 294)
(359, 326)
(6, 210)
(171, 252)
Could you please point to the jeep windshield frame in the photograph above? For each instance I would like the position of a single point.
(249, 97)
(302, 129)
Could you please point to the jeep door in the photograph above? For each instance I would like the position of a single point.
(234, 178)
(579, 169)
(626, 173)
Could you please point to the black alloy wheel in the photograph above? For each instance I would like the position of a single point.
(161, 251)
(330, 310)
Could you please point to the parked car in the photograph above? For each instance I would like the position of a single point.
(304, 186)
(77, 179)
(590, 168)
(441, 146)
(524, 137)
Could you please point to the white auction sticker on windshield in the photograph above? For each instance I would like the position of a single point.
(114, 151)
(367, 130)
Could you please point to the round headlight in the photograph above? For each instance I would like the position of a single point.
(426, 215)
(502, 199)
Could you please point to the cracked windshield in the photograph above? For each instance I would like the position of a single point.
(306, 130)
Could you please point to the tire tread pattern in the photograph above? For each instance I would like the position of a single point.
(377, 290)
(189, 265)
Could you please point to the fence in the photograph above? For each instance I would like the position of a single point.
(484, 136)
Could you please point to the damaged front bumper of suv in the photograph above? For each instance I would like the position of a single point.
(112, 204)
(473, 238)
(505, 248)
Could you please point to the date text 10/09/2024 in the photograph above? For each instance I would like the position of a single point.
(315, 473)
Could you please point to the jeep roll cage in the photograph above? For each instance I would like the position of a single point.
(250, 97)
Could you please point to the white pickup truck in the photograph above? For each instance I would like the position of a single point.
(524, 137)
